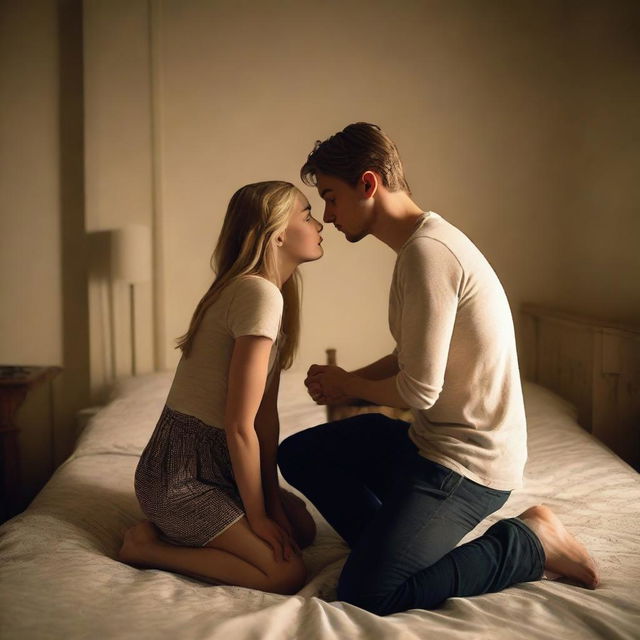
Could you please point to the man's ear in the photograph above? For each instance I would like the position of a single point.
(369, 183)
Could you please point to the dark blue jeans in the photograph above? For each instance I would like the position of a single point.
(403, 515)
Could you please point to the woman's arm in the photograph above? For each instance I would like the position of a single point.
(285, 508)
(246, 383)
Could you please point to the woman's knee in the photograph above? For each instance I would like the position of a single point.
(287, 577)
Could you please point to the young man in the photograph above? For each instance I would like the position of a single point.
(403, 495)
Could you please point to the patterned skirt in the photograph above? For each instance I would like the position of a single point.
(184, 481)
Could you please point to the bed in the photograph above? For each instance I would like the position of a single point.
(59, 577)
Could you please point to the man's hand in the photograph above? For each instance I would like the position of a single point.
(326, 384)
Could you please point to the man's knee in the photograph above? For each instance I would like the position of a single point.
(293, 453)
(362, 585)
(363, 597)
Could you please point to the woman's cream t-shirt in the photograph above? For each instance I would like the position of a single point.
(250, 305)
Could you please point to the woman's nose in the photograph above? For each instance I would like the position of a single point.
(321, 226)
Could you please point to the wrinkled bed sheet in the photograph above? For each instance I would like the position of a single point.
(59, 577)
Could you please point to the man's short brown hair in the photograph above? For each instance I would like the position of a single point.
(359, 147)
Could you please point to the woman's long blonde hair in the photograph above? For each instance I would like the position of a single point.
(256, 215)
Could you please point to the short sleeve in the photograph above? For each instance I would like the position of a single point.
(255, 308)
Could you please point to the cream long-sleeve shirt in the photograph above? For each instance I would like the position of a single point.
(457, 356)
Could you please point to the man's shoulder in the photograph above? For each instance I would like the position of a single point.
(439, 239)
(426, 248)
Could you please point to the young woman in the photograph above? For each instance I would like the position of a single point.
(207, 480)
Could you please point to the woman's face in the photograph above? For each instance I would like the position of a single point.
(302, 239)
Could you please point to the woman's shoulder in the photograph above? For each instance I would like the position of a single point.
(255, 285)
(255, 292)
(256, 308)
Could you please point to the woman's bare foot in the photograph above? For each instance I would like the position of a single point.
(136, 540)
(565, 555)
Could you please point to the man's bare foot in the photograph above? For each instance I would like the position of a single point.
(136, 540)
(565, 555)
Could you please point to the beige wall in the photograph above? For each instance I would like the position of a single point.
(31, 280)
(42, 253)
(599, 269)
(468, 93)
(29, 185)
(119, 187)
(517, 121)
(480, 99)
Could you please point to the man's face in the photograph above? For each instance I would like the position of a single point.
(344, 207)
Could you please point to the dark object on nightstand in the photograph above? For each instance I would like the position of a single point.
(15, 383)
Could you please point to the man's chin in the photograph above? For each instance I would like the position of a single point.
(353, 239)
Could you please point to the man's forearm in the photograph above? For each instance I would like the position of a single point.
(384, 392)
(380, 369)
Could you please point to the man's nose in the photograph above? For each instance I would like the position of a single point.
(326, 217)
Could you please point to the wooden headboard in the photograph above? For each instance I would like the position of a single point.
(592, 363)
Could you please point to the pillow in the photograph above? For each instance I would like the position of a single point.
(127, 422)
(541, 402)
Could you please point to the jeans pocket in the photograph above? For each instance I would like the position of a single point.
(436, 476)
(496, 499)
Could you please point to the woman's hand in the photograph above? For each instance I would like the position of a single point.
(302, 523)
(274, 535)
(278, 514)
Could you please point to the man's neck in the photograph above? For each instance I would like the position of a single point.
(396, 219)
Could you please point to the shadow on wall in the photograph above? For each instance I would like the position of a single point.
(119, 269)
(72, 388)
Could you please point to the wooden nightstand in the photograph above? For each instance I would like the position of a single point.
(15, 384)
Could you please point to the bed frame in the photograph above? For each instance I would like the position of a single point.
(592, 363)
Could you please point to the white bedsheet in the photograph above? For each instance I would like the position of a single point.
(59, 578)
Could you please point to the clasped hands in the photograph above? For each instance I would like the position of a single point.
(328, 384)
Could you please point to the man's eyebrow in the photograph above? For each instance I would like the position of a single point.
(325, 191)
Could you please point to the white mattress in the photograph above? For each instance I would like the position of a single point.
(59, 578)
